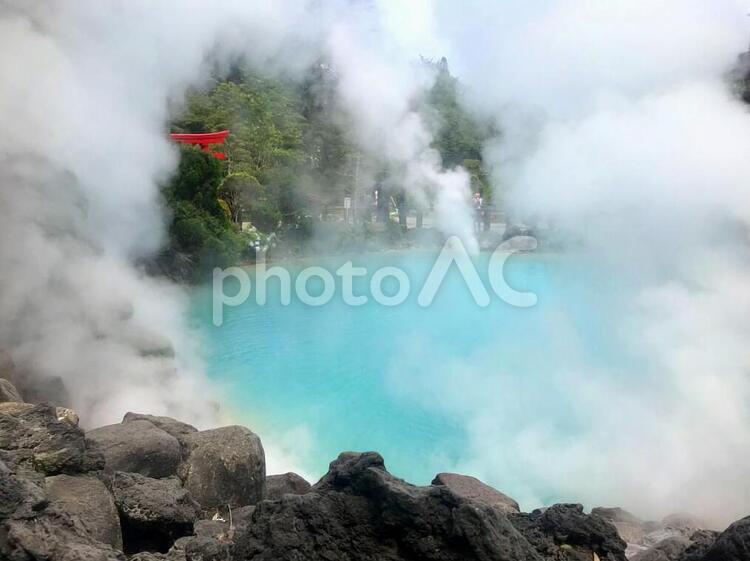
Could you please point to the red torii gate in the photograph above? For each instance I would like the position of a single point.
(204, 140)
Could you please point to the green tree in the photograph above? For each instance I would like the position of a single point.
(201, 235)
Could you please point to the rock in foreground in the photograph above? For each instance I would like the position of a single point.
(154, 512)
(31, 436)
(224, 467)
(86, 497)
(360, 511)
(732, 545)
(31, 528)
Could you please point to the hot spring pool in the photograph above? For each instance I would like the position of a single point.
(432, 389)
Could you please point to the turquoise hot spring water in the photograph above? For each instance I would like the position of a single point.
(417, 384)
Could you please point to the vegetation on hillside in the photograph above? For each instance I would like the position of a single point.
(289, 159)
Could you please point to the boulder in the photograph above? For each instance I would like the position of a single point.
(19, 497)
(700, 542)
(153, 512)
(360, 511)
(52, 535)
(732, 545)
(285, 484)
(86, 497)
(138, 446)
(31, 528)
(8, 391)
(224, 467)
(171, 426)
(33, 438)
(471, 488)
(564, 531)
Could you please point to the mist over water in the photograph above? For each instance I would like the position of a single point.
(619, 133)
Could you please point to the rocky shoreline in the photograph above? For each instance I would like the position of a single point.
(154, 488)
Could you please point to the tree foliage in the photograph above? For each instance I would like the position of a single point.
(289, 155)
(201, 236)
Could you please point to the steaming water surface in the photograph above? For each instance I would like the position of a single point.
(320, 380)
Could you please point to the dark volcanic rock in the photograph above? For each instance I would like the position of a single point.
(701, 541)
(224, 467)
(153, 512)
(178, 429)
(138, 446)
(31, 436)
(19, 498)
(8, 391)
(732, 545)
(285, 484)
(53, 535)
(471, 488)
(563, 531)
(86, 497)
(359, 511)
(31, 529)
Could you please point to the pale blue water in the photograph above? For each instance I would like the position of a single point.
(366, 378)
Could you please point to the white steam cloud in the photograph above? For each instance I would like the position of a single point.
(84, 105)
(620, 132)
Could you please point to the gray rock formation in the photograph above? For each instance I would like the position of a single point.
(357, 511)
(138, 446)
(19, 497)
(86, 497)
(359, 507)
(700, 542)
(471, 488)
(32, 437)
(33, 529)
(360, 511)
(564, 531)
(732, 545)
(285, 484)
(53, 535)
(153, 512)
(224, 467)
(8, 392)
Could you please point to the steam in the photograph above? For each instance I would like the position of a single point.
(380, 86)
(83, 152)
(85, 112)
(622, 135)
